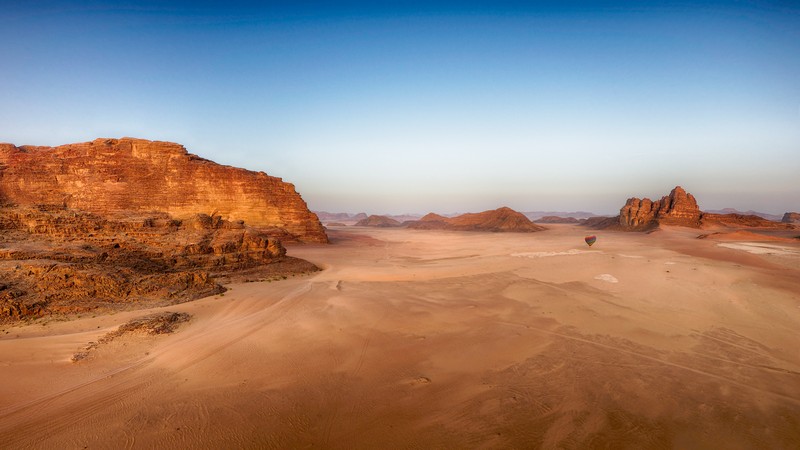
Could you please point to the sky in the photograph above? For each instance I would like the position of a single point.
(412, 107)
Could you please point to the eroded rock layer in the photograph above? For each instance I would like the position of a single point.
(677, 208)
(113, 176)
(56, 260)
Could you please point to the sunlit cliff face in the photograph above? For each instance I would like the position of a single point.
(110, 176)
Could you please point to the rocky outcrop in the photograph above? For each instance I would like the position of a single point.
(57, 260)
(677, 208)
(498, 220)
(791, 217)
(378, 221)
(116, 176)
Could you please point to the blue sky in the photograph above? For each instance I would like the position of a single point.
(391, 107)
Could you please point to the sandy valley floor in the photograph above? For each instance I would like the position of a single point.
(414, 339)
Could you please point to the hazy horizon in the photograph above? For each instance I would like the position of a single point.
(430, 106)
(600, 213)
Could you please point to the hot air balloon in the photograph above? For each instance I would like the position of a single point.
(590, 239)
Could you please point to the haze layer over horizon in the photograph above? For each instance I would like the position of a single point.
(430, 106)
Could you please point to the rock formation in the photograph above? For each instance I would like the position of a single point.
(57, 260)
(498, 220)
(117, 176)
(678, 208)
(791, 217)
(378, 221)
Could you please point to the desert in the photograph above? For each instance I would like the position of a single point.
(400, 225)
(441, 339)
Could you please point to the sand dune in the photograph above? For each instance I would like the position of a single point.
(431, 339)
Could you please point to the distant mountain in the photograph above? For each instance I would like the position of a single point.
(773, 217)
(404, 217)
(326, 216)
(536, 215)
(498, 220)
(557, 219)
(378, 221)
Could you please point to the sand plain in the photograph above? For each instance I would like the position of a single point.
(432, 339)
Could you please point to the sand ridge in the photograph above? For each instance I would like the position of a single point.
(435, 339)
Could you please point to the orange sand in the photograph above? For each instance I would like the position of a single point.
(417, 339)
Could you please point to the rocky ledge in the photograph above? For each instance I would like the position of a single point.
(55, 260)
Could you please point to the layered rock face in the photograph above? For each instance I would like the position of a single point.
(56, 260)
(498, 220)
(677, 208)
(113, 176)
(791, 217)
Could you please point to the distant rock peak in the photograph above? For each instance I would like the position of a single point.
(677, 208)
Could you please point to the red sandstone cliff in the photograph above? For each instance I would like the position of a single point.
(112, 176)
(677, 208)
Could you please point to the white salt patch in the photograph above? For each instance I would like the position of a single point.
(630, 256)
(670, 263)
(759, 248)
(546, 254)
(607, 277)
